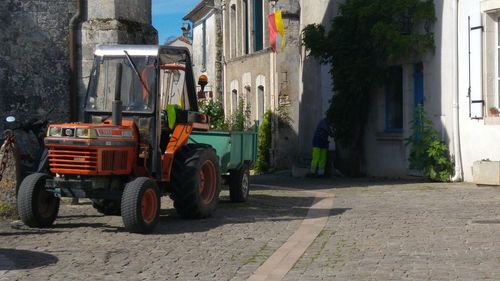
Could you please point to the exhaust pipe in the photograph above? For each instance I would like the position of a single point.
(116, 112)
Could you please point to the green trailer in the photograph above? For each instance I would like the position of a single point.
(237, 152)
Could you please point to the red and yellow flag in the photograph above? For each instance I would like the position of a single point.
(275, 23)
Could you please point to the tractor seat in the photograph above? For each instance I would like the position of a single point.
(168, 121)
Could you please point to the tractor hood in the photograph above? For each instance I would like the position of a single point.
(91, 149)
(91, 135)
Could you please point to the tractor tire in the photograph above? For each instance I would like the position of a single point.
(140, 205)
(196, 181)
(239, 184)
(36, 206)
(107, 207)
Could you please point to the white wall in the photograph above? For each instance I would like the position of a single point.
(211, 51)
(386, 153)
(478, 140)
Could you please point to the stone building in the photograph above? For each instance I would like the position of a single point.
(293, 86)
(181, 41)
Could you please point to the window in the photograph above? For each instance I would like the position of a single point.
(247, 28)
(394, 100)
(258, 25)
(234, 101)
(260, 103)
(486, 56)
(232, 29)
(418, 84)
(134, 95)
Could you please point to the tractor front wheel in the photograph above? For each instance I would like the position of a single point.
(196, 181)
(36, 206)
(140, 205)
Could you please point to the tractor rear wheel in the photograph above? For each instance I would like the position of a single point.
(239, 184)
(107, 207)
(140, 205)
(36, 206)
(196, 181)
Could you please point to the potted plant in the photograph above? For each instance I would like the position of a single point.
(494, 111)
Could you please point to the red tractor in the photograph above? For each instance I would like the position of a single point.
(132, 148)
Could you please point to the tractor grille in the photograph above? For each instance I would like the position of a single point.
(73, 160)
(114, 160)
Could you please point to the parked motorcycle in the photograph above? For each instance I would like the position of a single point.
(24, 140)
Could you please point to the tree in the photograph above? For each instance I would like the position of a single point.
(362, 43)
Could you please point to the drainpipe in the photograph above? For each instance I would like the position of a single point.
(72, 49)
(458, 176)
(222, 79)
(223, 60)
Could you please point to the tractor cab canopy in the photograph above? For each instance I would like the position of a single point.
(151, 77)
(151, 80)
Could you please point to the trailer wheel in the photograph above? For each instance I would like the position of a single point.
(196, 181)
(107, 207)
(36, 206)
(239, 184)
(140, 205)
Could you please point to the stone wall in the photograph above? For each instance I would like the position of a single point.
(288, 107)
(34, 66)
(34, 69)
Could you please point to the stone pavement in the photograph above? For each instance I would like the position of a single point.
(377, 230)
(405, 231)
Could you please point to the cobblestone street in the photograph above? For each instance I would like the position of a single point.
(376, 230)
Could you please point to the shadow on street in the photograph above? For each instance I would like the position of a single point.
(24, 259)
(285, 180)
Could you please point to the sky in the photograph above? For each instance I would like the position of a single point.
(167, 16)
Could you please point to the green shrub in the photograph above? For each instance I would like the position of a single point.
(428, 153)
(240, 119)
(264, 144)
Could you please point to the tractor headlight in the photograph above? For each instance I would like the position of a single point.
(86, 133)
(54, 132)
